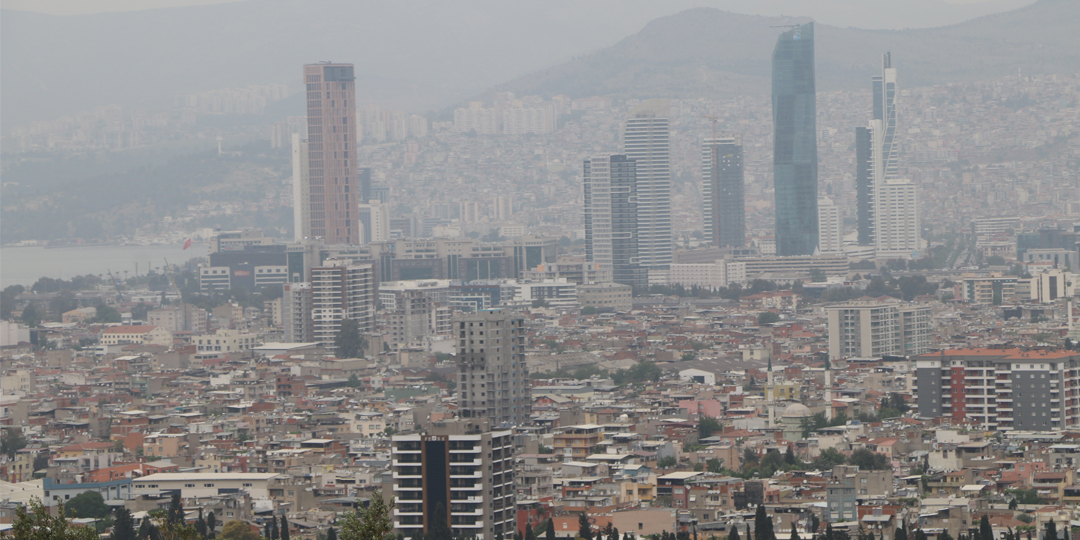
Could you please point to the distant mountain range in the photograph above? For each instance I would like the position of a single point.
(429, 54)
(706, 52)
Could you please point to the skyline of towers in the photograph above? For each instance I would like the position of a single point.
(646, 140)
(332, 137)
(795, 159)
(722, 191)
(887, 210)
(612, 217)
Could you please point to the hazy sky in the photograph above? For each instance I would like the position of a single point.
(861, 13)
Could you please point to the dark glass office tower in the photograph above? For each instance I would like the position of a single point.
(864, 189)
(795, 142)
(723, 202)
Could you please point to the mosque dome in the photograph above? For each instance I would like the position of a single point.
(797, 410)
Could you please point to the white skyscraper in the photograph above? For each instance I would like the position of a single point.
(646, 140)
(301, 185)
(830, 228)
(891, 204)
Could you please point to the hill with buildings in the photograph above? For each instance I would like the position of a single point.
(712, 53)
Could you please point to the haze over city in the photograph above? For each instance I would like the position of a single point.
(596, 270)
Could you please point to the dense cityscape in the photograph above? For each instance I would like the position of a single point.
(833, 315)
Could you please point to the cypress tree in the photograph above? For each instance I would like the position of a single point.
(585, 527)
(200, 525)
(284, 528)
(734, 533)
(211, 524)
(1051, 530)
(331, 534)
(274, 535)
(124, 526)
(550, 531)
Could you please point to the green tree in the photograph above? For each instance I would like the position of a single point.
(11, 441)
(372, 522)
(763, 529)
(8, 300)
(37, 524)
(88, 504)
(767, 317)
(1025, 496)
(349, 344)
(549, 531)
(105, 313)
(31, 316)
(439, 529)
(284, 528)
(275, 534)
(818, 275)
(734, 535)
(708, 425)
(584, 527)
(1051, 530)
(146, 530)
(750, 458)
(239, 530)
(123, 526)
(200, 525)
(986, 532)
(331, 534)
(667, 462)
(175, 513)
(211, 524)
(868, 460)
(714, 465)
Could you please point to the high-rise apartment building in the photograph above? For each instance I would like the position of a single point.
(301, 184)
(332, 140)
(341, 290)
(504, 208)
(830, 227)
(296, 313)
(795, 159)
(875, 329)
(493, 381)
(612, 218)
(896, 219)
(722, 185)
(466, 472)
(1000, 389)
(646, 141)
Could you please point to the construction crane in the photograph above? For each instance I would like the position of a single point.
(116, 283)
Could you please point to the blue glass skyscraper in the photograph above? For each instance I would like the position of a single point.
(795, 165)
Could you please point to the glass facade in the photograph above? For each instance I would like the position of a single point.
(723, 202)
(795, 160)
